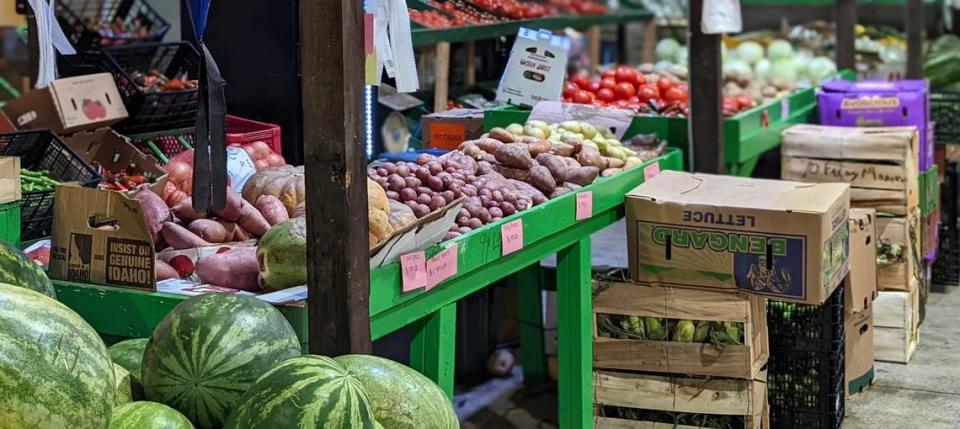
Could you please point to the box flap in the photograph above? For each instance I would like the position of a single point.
(112, 151)
(87, 102)
(862, 281)
(874, 143)
(729, 191)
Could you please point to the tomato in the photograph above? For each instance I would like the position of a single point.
(664, 84)
(675, 94)
(608, 82)
(583, 97)
(621, 104)
(634, 99)
(581, 79)
(744, 102)
(626, 74)
(641, 80)
(625, 90)
(569, 89)
(608, 73)
(648, 92)
(730, 104)
(593, 86)
(606, 94)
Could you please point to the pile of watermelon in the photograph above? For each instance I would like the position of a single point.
(216, 361)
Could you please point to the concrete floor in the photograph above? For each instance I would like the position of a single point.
(924, 394)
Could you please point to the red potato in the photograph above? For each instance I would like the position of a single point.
(164, 270)
(272, 209)
(251, 220)
(236, 268)
(231, 210)
(185, 212)
(155, 211)
(179, 237)
(212, 231)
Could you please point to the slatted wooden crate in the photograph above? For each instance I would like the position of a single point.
(904, 232)
(896, 325)
(743, 361)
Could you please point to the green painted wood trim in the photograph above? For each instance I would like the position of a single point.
(575, 340)
(830, 2)
(530, 315)
(433, 348)
(929, 190)
(10, 223)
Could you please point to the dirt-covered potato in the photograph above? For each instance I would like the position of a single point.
(562, 149)
(554, 164)
(513, 173)
(614, 162)
(560, 190)
(542, 179)
(588, 156)
(489, 145)
(514, 155)
(582, 176)
(503, 135)
(611, 172)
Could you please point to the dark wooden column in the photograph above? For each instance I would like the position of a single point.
(706, 116)
(914, 26)
(331, 55)
(846, 21)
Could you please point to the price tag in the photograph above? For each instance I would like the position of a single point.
(784, 108)
(511, 237)
(441, 266)
(651, 171)
(584, 205)
(413, 268)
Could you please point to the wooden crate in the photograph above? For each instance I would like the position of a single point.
(904, 231)
(896, 325)
(736, 361)
(9, 179)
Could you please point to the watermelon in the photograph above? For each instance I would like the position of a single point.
(124, 385)
(282, 254)
(309, 391)
(208, 350)
(148, 415)
(54, 369)
(19, 270)
(129, 354)
(401, 397)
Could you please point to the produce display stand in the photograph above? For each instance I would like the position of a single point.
(10, 222)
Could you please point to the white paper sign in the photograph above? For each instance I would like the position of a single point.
(721, 16)
(536, 68)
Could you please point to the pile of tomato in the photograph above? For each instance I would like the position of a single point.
(434, 19)
(625, 88)
(578, 7)
(463, 12)
(737, 103)
(512, 9)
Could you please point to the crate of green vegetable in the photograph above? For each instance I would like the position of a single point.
(945, 114)
(44, 161)
(678, 331)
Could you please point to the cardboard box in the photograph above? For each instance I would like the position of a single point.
(536, 68)
(784, 240)
(896, 325)
(446, 130)
(858, 350)
(69, 105)
(879, 104)
(9, 179)
(100, 237)
(114, 152)
(898, 272)
(861, 283)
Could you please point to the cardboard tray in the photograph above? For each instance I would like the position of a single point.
(427, 231)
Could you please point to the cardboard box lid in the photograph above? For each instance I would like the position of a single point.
(727, 191)
(69, 104)
(112, 151)
(862, 280)
(827, 142)
(875, 86)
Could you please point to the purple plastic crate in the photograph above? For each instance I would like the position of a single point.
(873, 103)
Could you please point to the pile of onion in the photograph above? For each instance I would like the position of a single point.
(262, 156)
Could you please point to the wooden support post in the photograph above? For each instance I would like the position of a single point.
(650, 41)
(846, 22)
(575, 336)
(441, 86)
(530, 314)
(432, 351)
(706, 117)
(593, 48)
(914, 27)
(338, 266)
(471, 77)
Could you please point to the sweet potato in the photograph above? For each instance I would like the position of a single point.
(489, 145)
(542, 179)
(300, 210)
(179, 237)
(514, 155)
(272, 209)
(555, 164)
(582, 176)
(614, 162)
(503, 135)
(537, 146)
(241, 234)
(562, 149)
(251, 220)
(155, 211)
(610, 172)
(571, 163)
(236, 268)
(164, 271)
(513, 173)
(589, 156)
(211, 230)
(231, 228)
(231, 210)
(560, 190)
(185, 212)
(471, 149)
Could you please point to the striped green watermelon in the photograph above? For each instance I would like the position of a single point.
(124, 385)
(148, 415)
(54, 369)
(19, 270)
(401, 397)
(129, 354)
(309, 391)
(204, 355)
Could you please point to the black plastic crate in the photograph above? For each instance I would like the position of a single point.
(155, 111)
(93, 23)
(945, 114)
(946, 268)
(805, 389)
(800, 327)
(42, 150)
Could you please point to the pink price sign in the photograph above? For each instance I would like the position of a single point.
(651, 171)
(511, 237)
(413, 269)
(584, 205)
(442, 266)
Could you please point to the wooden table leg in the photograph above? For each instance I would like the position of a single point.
(574, 336)
(441, 86)
(527, 283)
(433, 346)
(593, 48)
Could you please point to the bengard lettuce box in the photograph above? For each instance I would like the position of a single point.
(785, 240)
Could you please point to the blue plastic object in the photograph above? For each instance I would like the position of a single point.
(409, 156)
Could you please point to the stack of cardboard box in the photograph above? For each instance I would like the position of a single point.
(860, 292)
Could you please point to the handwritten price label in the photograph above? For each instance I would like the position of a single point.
(651, 171)
(584, 205)
(441, 266)
(511, 237)
(784, 108)
(413, 268)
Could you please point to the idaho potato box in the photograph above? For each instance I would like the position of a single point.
(784, 240)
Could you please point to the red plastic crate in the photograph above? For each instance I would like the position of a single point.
(240, 132)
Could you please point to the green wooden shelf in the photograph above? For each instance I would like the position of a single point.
(831, 2)
(429, 37)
